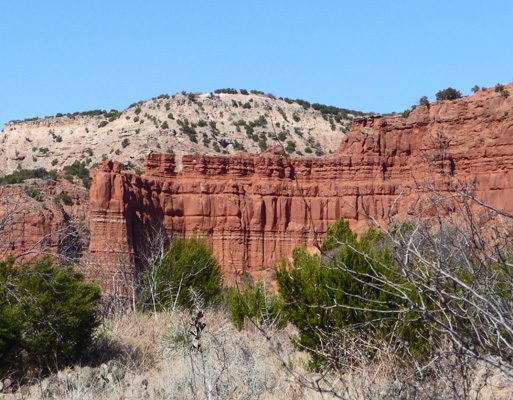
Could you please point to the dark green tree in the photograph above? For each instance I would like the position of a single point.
(448, 94)
(79, 169)
(343, 289)
(54, 309)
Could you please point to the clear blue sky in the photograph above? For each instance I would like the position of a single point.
(381, 56)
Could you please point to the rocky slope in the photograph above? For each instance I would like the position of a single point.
(209, 124)
(44, 217)
(256, 209)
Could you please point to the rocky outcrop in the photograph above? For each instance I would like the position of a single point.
(47, 217)
(255, 210)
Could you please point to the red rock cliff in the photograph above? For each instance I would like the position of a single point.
(255, 210)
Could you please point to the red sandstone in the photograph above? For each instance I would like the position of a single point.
(255, 210)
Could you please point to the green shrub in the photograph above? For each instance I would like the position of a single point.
(254, 302)
(189, 264)
(227, 91)
(475, 89)
(448, 94)
(291, 147)
(21, 175)
(164, 125)
(49, 313)
(424, 101)
(55, 162)
(308, 150)
(322, 298)
(295, 117)
(406, 113)
(79, 169)
(65, 198)
(34, 193)
(305, 104)
(138, 110)
(102, 124)
(246, 106)
(262, 143)
(125, 142)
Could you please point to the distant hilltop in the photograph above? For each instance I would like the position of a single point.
(221, 123)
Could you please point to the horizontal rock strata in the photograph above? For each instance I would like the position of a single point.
(254, 210)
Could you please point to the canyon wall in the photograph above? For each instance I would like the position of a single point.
(256, 209)
(47, 217)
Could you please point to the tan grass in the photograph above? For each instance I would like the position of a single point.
(155, 352)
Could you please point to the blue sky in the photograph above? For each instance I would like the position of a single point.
(381, 56)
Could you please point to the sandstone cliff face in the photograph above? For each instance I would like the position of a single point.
(43, 217)
(471, 137)
(256, 209)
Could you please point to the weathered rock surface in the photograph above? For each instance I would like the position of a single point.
(207, 123)
(256, 209)
(43, 217)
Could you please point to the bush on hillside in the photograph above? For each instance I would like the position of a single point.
(227, 91)
(21, 175)
(79, 169)
(499, 88)
(448, 94)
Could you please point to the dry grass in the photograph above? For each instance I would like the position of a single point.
(156, 353)
(157, 359)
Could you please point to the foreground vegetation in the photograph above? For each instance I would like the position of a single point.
(151, 355)
(323, 335)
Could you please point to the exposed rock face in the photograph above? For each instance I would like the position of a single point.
(471, 137)
(255, 210)
(205, 124)
(47, 216)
